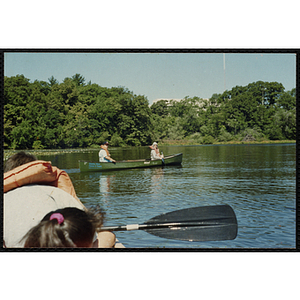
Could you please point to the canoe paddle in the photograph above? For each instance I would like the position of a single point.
(204, 223)
(162, 159)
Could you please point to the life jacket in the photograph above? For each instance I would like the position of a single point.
(107, 153)
(38, 172)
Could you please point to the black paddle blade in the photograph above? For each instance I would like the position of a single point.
(206, 223)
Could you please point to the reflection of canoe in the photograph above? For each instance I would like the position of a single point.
(86, 166)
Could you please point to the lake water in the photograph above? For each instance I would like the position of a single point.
(257, 181)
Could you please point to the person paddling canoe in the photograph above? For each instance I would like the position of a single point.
(104, 155)
(155, 152)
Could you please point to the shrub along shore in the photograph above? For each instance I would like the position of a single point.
(191, 143)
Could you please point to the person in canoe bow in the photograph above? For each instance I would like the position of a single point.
(33, 189)
(104, 155)
(155, 152)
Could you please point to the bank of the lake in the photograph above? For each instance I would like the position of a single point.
(192, 143)
(8, 152)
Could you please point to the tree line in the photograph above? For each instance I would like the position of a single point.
(73, 113)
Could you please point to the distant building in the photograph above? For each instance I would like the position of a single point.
(200, 104)
(168, 100)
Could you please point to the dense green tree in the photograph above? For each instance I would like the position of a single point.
(78, 79)
(282, 125)
(17, 90)
(287, 100)
(160, 108)
(72, 114)
(52, 81)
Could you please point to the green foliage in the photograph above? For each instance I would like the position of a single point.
(117, 141)
(208, 139)
(175, 130)
(283, 125)
(74, 114)
(52, 81)
(37, 145)
(224, 135)
(160, 108)
(255, 133)
(78, 79)
(287, 100)
(196, 138)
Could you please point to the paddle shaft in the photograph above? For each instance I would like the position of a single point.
(153, 226)
(137, 227)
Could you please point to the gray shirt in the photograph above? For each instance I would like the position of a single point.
(25, 207)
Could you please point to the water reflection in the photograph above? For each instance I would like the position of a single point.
(112, 183)
(156, 180)
(105, 185)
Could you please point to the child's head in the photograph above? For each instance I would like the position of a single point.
(67, 227)
(17, 160)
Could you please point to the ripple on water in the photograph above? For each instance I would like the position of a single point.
(259, 186)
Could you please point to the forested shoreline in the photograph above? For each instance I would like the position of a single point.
(76, 114)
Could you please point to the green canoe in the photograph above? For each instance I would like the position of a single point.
(86, 166)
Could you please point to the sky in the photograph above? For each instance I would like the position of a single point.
(158, 75)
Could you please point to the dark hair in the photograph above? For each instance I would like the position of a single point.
(17, 160)
(76, 230)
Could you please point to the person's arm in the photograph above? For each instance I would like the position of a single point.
(101, 155)
(109, 158)
(106, 239)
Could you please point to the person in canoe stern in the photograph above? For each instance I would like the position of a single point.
(35, 192)
(155, 152)
(104, 155)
